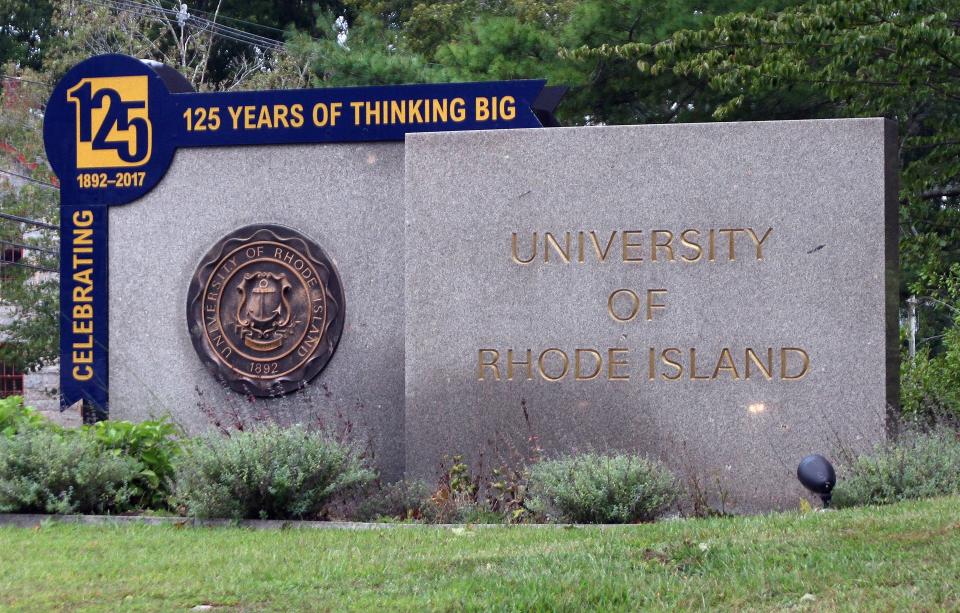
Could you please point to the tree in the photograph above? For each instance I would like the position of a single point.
(849, 58)
(462, 40)
(24, 28)
(149, 29)
(29, 295)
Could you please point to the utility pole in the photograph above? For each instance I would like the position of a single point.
(912, 323)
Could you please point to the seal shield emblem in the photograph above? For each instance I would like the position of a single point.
(265, 310)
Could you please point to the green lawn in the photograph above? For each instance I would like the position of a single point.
(900, 557)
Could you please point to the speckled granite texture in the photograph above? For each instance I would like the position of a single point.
(826, 188)
(349, 199)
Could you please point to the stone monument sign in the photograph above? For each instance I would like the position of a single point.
(716, 295)
(428, 270)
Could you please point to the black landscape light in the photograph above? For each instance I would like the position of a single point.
(817, 475)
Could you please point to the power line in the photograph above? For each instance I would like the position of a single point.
(236, 20)
(32, 222)
(21, 79)
(31, 179)
(205, 24)
(31, 247)
(4, 263)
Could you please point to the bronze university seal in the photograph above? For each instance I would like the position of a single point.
(265, 310)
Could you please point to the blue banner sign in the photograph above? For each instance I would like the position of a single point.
(111, 129)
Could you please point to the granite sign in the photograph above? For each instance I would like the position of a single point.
(405, 264)
(716, 295)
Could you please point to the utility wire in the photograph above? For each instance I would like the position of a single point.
(31, 179)
(32, 222)
(9, 78)
(31, 247)
(4, 263)
(205, 24)
(236, 20)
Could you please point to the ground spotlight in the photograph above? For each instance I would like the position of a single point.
(817, 475)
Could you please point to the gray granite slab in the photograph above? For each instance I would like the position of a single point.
(348, 198)
(823, 281)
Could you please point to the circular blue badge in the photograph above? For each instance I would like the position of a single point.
(106, 131)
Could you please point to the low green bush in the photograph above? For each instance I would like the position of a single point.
(269, 473)
(152, 443)
(601, 488)
(48, 471)
(917, 465)
(16, 417)
(930, 385)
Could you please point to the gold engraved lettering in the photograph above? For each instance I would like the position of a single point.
(494, 357)
(676, 365)
(516, 256)
(758, 242)
(511, 363)
(691, 244)
(725, 363)
(693, 367)
(602, 255)
(651, 304)
(563, 358)
(613, 363)
(656, 245)
(578, 364)
(564, 253)
(626, 237)
(804, 357)
(634, 301)
(752, 358)
(731, 241)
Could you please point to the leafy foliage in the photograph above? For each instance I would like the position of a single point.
(154, 444)
(915, 466)
(846, 58)
(15, 417)
(930, 385)
(31, 297)
(47, 471)
(396, 41)
(24, 26)
(600, 488)
(270, 473)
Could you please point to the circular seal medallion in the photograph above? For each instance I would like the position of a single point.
(265, 310)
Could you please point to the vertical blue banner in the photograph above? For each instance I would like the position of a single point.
(84, 319)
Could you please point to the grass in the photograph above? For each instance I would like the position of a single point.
(898, 557)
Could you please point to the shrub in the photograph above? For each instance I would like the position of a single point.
(601, 488)
(930, 386)
(153, 444)
(15, 417)
(62, 472)
(918, 465)
(269, 473)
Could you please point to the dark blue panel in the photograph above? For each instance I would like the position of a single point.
(351, 114)
(83, 306)
(111, 127)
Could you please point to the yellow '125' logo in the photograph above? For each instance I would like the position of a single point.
(113, 125)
